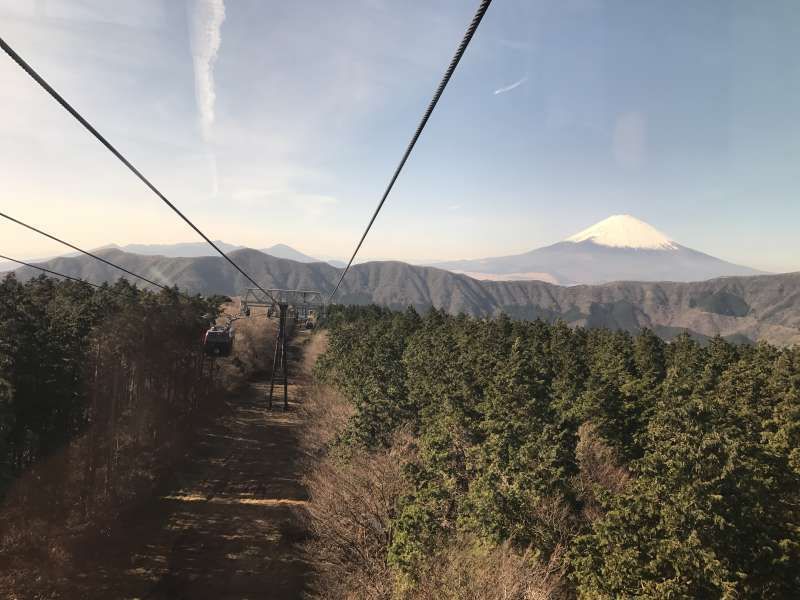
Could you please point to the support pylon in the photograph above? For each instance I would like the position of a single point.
(279, 360)
(292, 306)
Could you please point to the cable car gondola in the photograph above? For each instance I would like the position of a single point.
(218, 341)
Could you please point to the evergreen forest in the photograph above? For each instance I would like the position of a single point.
(495, 458)
(99, 386)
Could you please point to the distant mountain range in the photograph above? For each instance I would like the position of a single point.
(190, 249)
(739, 308)
(187, 249)
(620, 248)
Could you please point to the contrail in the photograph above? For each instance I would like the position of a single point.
(205, 22)
(508, 88)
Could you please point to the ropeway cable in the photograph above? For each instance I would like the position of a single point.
(473, 26)
(86, 252)
(68, 107)
(32, 266)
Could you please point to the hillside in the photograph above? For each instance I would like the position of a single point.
(574, 463)
(754, 307)
(182, 250)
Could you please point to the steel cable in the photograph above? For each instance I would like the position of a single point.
(86, 252)
(68, 107)
(32, 266)
(473, 26)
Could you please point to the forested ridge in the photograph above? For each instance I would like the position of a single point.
(100, 388)
(506, 459)
(763, 307)
(446, 456)
(133, 465)
(69, 353)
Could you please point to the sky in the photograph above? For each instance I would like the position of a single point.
(281, 122)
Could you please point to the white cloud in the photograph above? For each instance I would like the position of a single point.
(514, 85)
(205, 23)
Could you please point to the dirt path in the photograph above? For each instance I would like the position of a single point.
(227, 527)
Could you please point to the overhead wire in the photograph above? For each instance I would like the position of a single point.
(33, 266)
(473, 26)
(57, 274)
(81, 250)
(69, 108)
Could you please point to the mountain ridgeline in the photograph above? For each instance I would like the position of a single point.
(746, 308)
(570, 263)
(619, 248)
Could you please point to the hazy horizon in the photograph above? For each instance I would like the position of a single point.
(281, 123)
(201, 248)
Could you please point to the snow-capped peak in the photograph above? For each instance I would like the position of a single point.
(624, 231)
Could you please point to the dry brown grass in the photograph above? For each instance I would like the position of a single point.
(324, 411)
(254, 343)
(600, 469)
(316, 345)
(325, 415)
(468, 570)
(350, 515)
(253, 348)
(352, 497)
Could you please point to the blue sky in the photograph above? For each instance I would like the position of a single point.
(281, 122)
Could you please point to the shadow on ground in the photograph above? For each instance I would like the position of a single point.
(228, 526)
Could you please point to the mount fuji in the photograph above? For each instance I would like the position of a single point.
(619, 248)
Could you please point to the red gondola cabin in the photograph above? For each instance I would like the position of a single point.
(218, 341)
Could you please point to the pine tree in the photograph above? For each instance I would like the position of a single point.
(525, 461)
(709, 515)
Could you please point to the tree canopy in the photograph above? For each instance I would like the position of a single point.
(648, 468)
